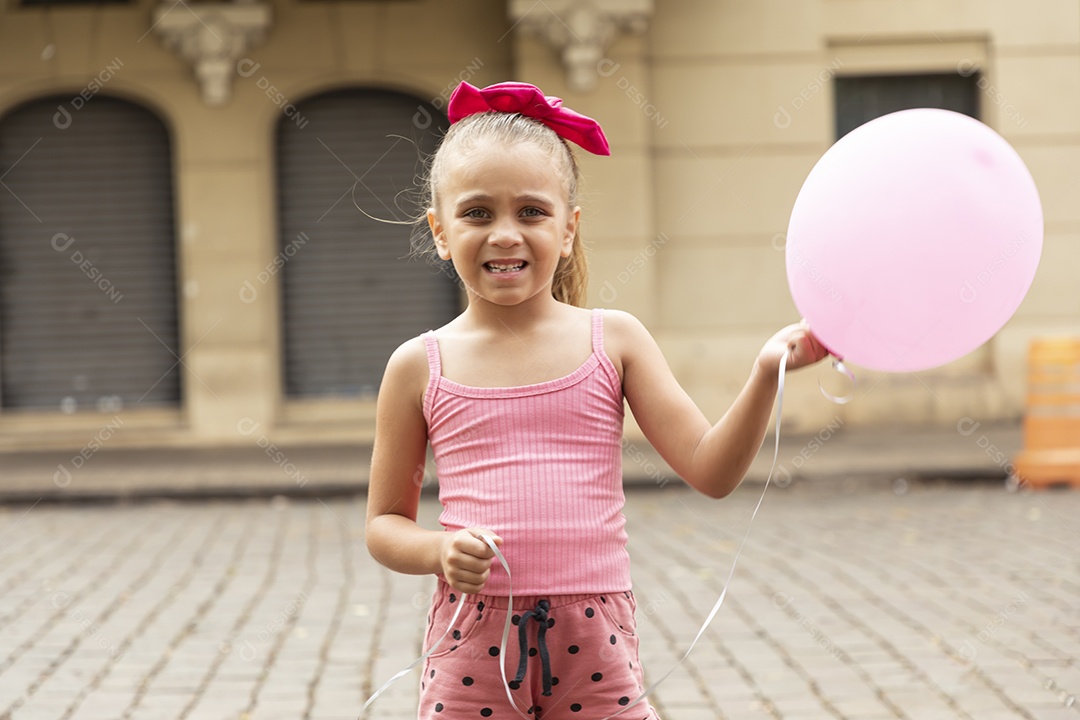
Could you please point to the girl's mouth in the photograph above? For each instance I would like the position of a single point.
(497, 268)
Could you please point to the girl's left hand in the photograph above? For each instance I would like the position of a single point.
(795, 341)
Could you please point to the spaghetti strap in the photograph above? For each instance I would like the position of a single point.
(434, 370)
(598, 350)
(598, 330)
(434, 360)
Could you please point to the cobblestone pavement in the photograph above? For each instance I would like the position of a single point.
(934, 601)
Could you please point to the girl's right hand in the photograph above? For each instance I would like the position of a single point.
(466, 559)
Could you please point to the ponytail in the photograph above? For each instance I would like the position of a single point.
(571, 281)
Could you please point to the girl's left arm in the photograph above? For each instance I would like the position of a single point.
(712, 458)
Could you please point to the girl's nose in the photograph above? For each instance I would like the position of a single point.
(505, 233)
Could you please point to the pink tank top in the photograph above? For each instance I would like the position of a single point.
(541, 466)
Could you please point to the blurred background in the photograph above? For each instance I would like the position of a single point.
(187, 261)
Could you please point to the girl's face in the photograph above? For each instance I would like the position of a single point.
(504, 220)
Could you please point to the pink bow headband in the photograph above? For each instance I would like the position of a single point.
(528, 100)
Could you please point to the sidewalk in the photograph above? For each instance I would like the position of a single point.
(980, 452)
(934, 601)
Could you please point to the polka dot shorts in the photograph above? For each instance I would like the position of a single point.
(581, 658)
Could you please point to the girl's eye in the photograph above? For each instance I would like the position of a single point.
(533, 212)
(476, 214)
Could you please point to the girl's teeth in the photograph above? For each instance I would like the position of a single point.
(504, 268)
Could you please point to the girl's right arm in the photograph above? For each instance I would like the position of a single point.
(397, 473)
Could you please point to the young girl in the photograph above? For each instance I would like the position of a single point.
(521, 398)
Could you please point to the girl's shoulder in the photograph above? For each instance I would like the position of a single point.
(621, 322)
(622, 328)
(407, 369)
(624, 336)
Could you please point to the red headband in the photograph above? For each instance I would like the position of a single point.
(528, 100)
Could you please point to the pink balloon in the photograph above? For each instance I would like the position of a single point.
(913, 240)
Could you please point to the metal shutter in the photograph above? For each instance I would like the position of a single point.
(861, 99)
(351, 293)
(87, 271)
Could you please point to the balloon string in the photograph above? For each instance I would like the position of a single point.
(506, 624)
(701, 631)
(840, 367)
(405, 671)
(731, 574)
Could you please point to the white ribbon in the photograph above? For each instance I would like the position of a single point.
(506, 625)
(735, 561)
(840, 367)
(414, 663)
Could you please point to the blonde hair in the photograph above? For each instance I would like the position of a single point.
(572, 273)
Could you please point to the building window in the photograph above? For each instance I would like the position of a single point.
(863, 98)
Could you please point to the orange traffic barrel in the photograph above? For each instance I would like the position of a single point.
(1051, 453)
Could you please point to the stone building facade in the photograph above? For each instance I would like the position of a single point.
(186, 255)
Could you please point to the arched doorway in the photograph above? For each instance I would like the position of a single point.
(88, 306)
(351, 291)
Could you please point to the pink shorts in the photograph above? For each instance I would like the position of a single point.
(591, 669)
